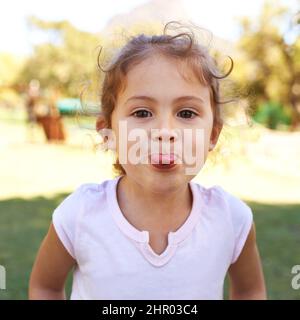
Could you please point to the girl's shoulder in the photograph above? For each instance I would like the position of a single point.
(217, 196)
(86, 200)
(222, 204)
(85, 194)
(87, 190)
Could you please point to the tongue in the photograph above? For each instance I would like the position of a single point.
(162, 158)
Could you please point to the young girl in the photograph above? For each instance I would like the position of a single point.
(151, 232)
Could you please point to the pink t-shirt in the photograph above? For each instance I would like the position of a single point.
(115, 260)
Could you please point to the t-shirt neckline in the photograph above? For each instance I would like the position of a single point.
(143, 236)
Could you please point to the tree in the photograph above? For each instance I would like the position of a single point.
(270, 64)
(63, 63)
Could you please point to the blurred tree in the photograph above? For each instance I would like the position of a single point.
(65, 61)
(270, 63)
(10, 66)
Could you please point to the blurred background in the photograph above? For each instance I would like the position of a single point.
(49, 96)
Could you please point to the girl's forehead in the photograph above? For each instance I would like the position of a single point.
(160, 65)
(161, 73)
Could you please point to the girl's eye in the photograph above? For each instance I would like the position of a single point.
(187, 114)
(141, 113)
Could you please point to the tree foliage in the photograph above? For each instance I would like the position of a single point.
(64, 63)
(270, 61)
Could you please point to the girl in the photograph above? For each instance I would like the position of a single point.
(151, 232)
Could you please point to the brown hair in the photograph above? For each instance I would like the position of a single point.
(181, 47)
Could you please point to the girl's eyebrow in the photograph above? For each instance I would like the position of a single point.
(151, 99)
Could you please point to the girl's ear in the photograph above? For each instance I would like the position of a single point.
(215, 133)
(101, 122)
(109, 140)
(101, 126)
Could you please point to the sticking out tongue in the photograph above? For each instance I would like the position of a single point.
(162, 158)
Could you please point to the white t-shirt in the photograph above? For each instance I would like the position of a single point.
(115, 260)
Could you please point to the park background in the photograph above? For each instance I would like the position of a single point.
(48, 53)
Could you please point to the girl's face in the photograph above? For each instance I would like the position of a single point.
(157, 96)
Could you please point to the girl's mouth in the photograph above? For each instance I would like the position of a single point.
(163, 161)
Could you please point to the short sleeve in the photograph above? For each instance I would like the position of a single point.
(64, 219)
(242, 219)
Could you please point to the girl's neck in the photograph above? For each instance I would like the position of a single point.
(148, 209)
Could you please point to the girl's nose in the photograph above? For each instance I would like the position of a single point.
(164, 137)
(165, 134)
(164, 130)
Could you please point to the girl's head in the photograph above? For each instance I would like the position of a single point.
(168, 83)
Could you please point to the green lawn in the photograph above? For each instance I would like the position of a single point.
(23, 223)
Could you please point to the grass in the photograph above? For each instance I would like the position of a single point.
(24, 222)
(278, 239)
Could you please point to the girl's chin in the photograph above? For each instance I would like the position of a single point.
(171, 173)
